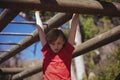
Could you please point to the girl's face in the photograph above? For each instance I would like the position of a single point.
(57, 45)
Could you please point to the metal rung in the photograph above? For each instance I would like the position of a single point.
(26, 22)
(23, 22)
(4, 51)
(8, 43)
(15, 34)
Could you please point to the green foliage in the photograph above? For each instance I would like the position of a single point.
(66, 31)
(106, 25)
(110, 0)
(88, 27)
(89, 61)
(106, 0)
(111, 70)
(47, 13)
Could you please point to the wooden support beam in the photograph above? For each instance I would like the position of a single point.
(6, 16)
(98, 41)
(56, 21)
(70, 6)
(10, 70)
(87, 46)
(28, 72)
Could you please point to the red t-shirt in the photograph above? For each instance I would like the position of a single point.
(57, 66)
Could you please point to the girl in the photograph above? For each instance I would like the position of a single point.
(57, 50)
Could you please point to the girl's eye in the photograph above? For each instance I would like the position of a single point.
(52, 43)
(59, 43)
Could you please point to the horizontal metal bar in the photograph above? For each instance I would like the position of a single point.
(4, 51)
(26, 22)
(23, 22)
(15, 34)
(8, 43)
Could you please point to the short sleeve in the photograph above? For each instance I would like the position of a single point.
(45, 49)
(69, 47)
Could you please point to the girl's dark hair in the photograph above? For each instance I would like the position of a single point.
(53, 34)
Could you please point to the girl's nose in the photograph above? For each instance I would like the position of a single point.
(56, 46)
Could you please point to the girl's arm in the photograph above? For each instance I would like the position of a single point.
(71, 36)
(40, 28)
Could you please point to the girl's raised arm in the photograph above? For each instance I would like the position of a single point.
(71, 36)
(40, 28)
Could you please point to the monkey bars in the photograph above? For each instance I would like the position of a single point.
(56, 21)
